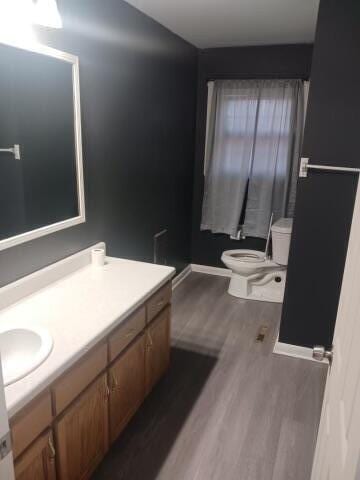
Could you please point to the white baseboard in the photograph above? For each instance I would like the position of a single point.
(182, 275)
(294, 351)
(223, 272)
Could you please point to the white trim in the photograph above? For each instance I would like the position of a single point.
(222, 272)
(295, 351)
(19, 289)
(182, 275)
(81, 218)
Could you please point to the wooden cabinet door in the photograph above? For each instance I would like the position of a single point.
(38, 461)
(30, 422)
(157, 348)
(127, 386)
(82, 433)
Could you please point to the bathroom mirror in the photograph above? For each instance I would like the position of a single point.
(41, 171)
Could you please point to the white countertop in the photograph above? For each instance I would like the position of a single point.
(78, 311)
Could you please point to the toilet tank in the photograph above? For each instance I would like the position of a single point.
(281, 236)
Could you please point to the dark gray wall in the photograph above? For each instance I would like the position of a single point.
(325, 200)
(283, 61)
(138, 94)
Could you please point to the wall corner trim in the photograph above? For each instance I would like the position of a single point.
(296, 351)
(181, 276)
(223, 272)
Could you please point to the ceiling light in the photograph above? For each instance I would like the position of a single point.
(17, 14)
(46, 13)
(15, 20)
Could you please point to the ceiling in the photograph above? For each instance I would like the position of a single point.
(228, 23)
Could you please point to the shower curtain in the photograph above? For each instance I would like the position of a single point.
(254, 137)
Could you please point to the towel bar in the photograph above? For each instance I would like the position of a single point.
(305, 166)
(15, 150)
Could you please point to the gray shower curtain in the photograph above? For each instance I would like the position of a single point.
(254, 138)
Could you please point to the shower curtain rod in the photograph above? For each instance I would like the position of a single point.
(305, 166)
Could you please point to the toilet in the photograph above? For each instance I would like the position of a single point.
(256, 277)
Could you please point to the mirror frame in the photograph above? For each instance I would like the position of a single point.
(81, 218)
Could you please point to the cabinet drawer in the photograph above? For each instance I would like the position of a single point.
(38, 462)
(126, 333)
(31, 421)
(72, 383)
(158, 301)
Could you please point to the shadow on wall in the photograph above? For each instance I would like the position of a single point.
(159, 420)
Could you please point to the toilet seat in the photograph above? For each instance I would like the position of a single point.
(252, 256)
(247, 262)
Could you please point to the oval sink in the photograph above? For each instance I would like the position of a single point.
(22, 350)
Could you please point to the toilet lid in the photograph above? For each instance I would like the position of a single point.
(248, 257)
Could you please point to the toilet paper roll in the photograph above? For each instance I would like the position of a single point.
(98, 257)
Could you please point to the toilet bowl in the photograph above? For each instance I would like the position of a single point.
(255, 277)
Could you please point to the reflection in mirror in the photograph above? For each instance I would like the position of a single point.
(41, 188)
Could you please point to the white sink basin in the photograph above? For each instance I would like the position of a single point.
(23, 349)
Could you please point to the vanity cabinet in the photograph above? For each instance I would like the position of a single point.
(38, 462)
(157, 349)
(72, 383)
(126, 333)
(127, 386)
(30, 422)
(90, 404)
(158, 301)
(82, 433)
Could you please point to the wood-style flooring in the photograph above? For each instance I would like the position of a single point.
(228, 409)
